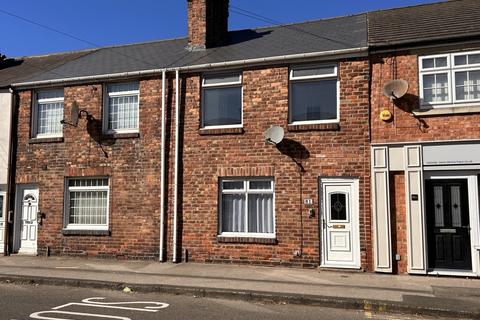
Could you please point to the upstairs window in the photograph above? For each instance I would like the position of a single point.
(47, 113)
(221, 101)
(314, 95)
(246, 207)
(86, 203)
(122, 108)
(449, 79)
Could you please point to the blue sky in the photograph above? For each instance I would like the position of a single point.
(111, 22)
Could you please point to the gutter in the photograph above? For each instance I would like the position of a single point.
(236, 63)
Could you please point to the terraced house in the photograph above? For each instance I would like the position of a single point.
(163, 150)
(425, 158)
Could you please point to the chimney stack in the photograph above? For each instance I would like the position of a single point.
(207, 23)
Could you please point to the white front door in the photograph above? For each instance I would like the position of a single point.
(340, 223)
(3, 214)
(29, 225)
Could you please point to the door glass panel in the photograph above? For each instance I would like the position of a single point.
(456, 206)
(438, 203)
(338, 206)
(1, 207)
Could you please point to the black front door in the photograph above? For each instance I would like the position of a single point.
(448, 224)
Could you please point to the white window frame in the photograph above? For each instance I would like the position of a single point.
(106, 107)
(246, 190)
(330, 76)
(238, 83)
(35, 119)
(463, 68)
(451, 69)
(68, 189)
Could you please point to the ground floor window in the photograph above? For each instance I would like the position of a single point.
(247, 207)
(86, 204)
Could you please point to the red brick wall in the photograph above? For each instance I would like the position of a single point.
(404, 126)
(334, 153)
(133, 166)
(399, 221)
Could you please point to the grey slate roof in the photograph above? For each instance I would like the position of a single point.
(308, 37)
(455, 19)
(449, 20)
(21, 69)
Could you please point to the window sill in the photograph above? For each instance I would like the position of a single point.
(45, 140)
(425, 112)
(314, 127)
(223, 239)
(79, 232)
(119, 135)
(220, 131)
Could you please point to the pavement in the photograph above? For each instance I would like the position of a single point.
(424, 295)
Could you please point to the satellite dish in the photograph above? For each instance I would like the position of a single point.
(74, 114)
(395, 89)
(274, 135)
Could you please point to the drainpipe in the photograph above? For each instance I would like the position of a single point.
(10, 175)
(162, 170)
(175, 191)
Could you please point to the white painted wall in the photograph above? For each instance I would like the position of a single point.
(5, 114)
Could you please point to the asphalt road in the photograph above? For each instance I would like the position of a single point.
(23, 302)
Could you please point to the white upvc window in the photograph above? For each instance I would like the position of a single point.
(48, 113)
(222, 101)
(86, 204)
(449, 79)
(121, 111)
(247, 207)
(314, 95)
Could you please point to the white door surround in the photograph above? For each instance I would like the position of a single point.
(27, 211)
(420, 163)
(339, 223)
